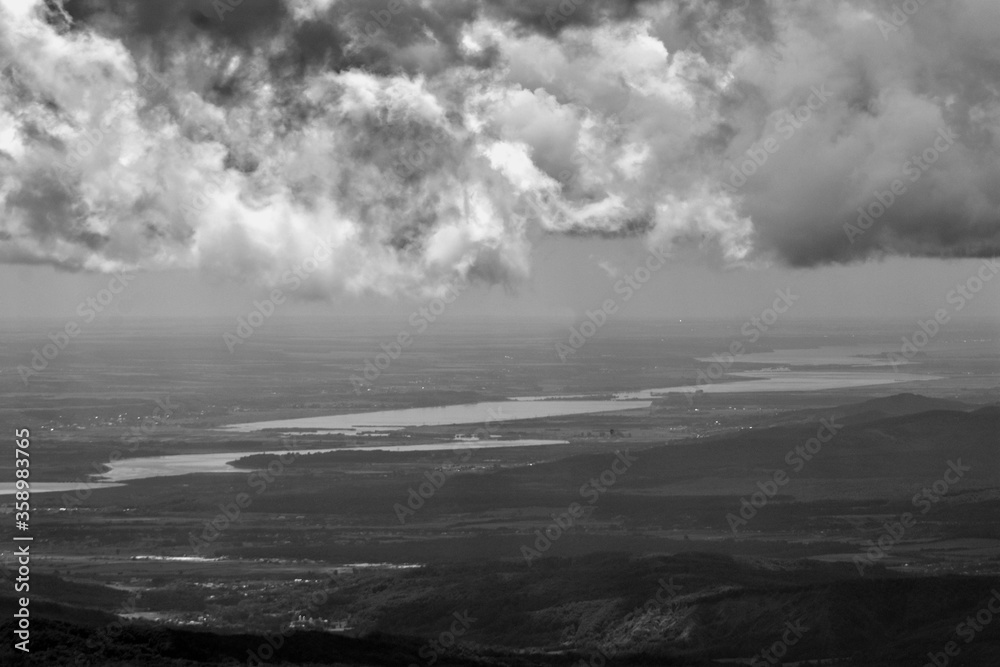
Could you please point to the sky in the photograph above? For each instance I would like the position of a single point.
(562, 289)
(363, 157)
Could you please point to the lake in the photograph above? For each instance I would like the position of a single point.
(186, 464)
(829, 355)
(7, 488)
(787, 381)
(471, 413)
(145, 467)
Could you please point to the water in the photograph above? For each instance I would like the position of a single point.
(7, 488)
(458, 445)
(186, 464)
(472, 413)
(830, 355)
(787, 381)
(475, 413)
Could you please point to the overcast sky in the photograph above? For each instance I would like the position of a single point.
(563, 288)
(363, 156)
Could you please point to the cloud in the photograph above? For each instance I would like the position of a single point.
(431, 142)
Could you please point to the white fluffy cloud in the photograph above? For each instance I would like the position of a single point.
(428, 145)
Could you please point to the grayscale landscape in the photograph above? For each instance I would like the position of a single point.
(499, 333)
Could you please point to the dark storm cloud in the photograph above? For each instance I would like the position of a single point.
(242, 24)
(550, 18)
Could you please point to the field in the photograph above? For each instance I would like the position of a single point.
(735, 513)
